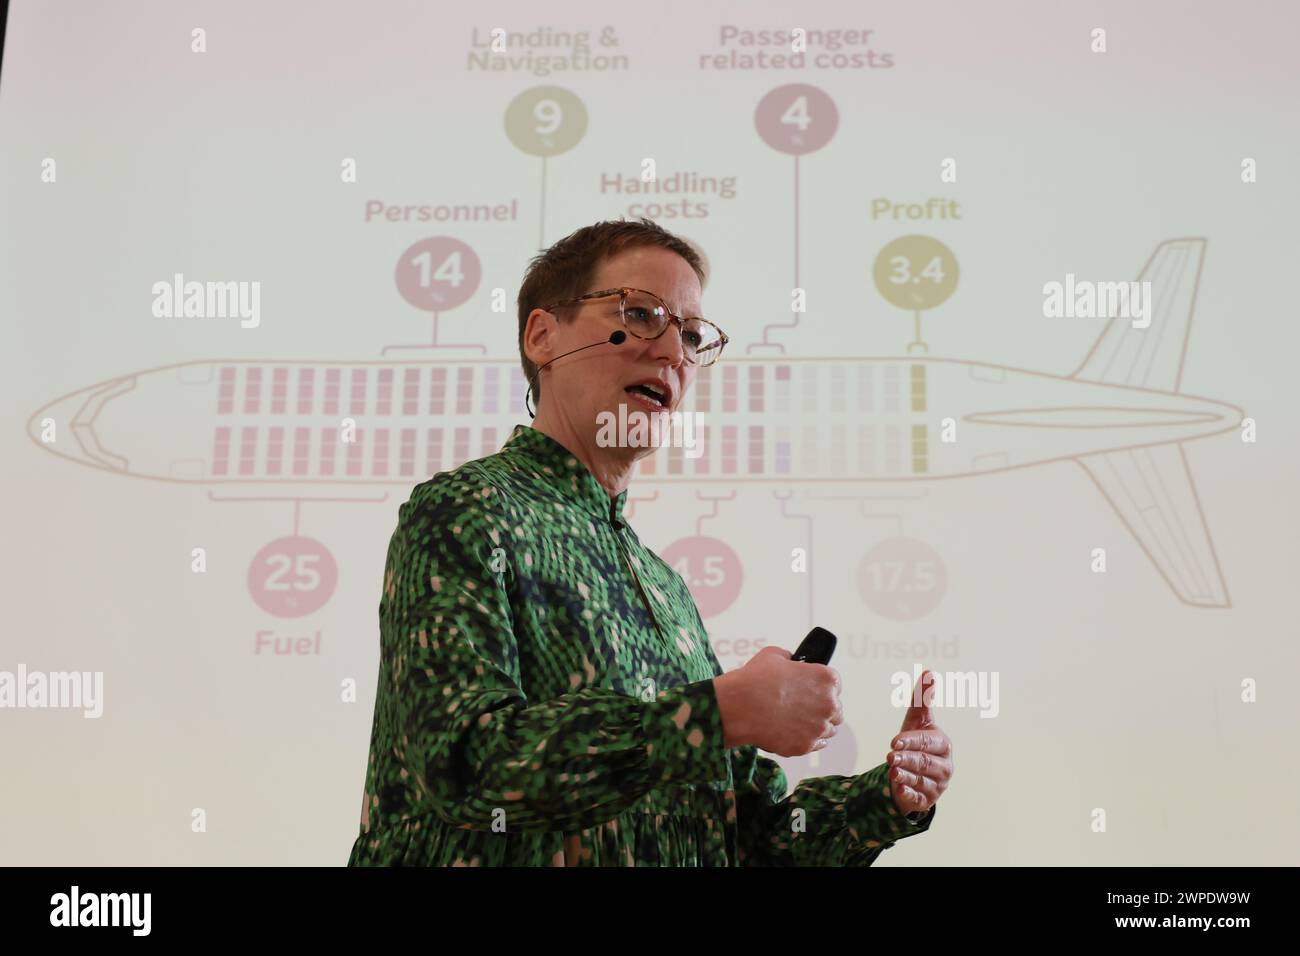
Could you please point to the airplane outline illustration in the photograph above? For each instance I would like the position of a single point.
(1132, 450)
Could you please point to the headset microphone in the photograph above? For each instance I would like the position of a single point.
(615, 338)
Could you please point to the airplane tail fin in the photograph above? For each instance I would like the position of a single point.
(1151, 487)
(1152, 357)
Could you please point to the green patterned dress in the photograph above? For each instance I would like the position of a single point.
(545, 697)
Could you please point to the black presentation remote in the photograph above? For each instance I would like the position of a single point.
(816, 648)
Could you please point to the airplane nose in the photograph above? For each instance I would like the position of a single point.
(51, 424)
(66, 426)
(35, 426)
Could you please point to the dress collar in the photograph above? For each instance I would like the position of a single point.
(559, 468)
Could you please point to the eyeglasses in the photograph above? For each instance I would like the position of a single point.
(646, 316)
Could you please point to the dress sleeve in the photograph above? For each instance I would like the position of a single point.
(481, 753)
(846, 821)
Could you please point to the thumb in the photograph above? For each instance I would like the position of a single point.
(918, 715)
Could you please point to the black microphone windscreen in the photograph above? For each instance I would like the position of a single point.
(617, 338)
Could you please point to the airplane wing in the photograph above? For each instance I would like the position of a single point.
(1151, 490)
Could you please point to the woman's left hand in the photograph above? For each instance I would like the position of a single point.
(920, 758)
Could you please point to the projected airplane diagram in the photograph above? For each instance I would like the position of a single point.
(1121, 415)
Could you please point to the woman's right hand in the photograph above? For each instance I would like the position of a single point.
(785, 707)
